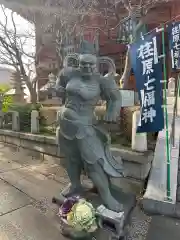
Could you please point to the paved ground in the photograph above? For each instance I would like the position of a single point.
(163, 228)
(26, 190)
(26, 212)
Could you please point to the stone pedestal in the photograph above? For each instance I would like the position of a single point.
(137, 166)
(111, 225)
(15, 121)
(139, 140)
(34, 121)
(171, 87)
(126, 120)
(57, 115)
(157, 200)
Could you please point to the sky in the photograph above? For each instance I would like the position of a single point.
(22, 26)
(21, 22)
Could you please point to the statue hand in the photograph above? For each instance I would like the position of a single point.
(111, 116)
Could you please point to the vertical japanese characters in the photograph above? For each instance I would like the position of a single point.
(148, 74)
(147, 53)
(174, 36)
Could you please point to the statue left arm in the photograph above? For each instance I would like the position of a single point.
(110, 92)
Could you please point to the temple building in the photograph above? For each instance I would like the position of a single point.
(104, 29)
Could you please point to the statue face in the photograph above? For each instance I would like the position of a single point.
(88, 64)
(73, 62)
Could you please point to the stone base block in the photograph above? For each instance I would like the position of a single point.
(107, 230)
(137, 165)
(164, 208)
(129, 185)
(156, 199)
(178, 194)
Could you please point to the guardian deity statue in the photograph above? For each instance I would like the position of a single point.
(86, 146)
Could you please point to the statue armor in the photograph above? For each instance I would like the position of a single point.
(87, 146)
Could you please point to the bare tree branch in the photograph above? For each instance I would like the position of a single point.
(62, 17)
(13, 49)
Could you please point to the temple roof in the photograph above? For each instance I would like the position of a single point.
(26, 7)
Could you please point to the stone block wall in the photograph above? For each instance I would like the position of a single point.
(137, 165)
(43, 146)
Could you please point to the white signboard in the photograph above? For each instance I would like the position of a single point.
(127, 98)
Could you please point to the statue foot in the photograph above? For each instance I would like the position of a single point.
(72, 190)
(113, 205)
(93, 190)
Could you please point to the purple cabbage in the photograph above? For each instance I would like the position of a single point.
(67, 205)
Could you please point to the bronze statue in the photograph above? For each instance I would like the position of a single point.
(85, 145)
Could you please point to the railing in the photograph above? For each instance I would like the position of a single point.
(11, 120)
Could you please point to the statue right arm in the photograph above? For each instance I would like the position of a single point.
(61, 83)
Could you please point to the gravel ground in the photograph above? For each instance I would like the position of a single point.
(139, 225)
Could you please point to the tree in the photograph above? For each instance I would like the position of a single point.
(16, 51)
(73, 13)
(64, 17)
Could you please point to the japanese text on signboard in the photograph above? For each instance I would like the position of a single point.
(148, 73)
(174, 36)
(148, 56)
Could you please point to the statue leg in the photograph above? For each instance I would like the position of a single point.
(73, 165)
(93, 154)
(74, 173)
(101, 181)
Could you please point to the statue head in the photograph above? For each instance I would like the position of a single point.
(87, 61)
(87, 58)
(87, 64)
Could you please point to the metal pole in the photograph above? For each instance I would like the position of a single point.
(175, 111)
(174, 115)
(37, 89)
(178, 91)
(166, 119)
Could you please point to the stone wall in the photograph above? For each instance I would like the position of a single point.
(39, 146)
(50, 116)
(160, 197)
(137, 165)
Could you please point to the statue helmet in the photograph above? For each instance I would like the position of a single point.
(86, 47)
